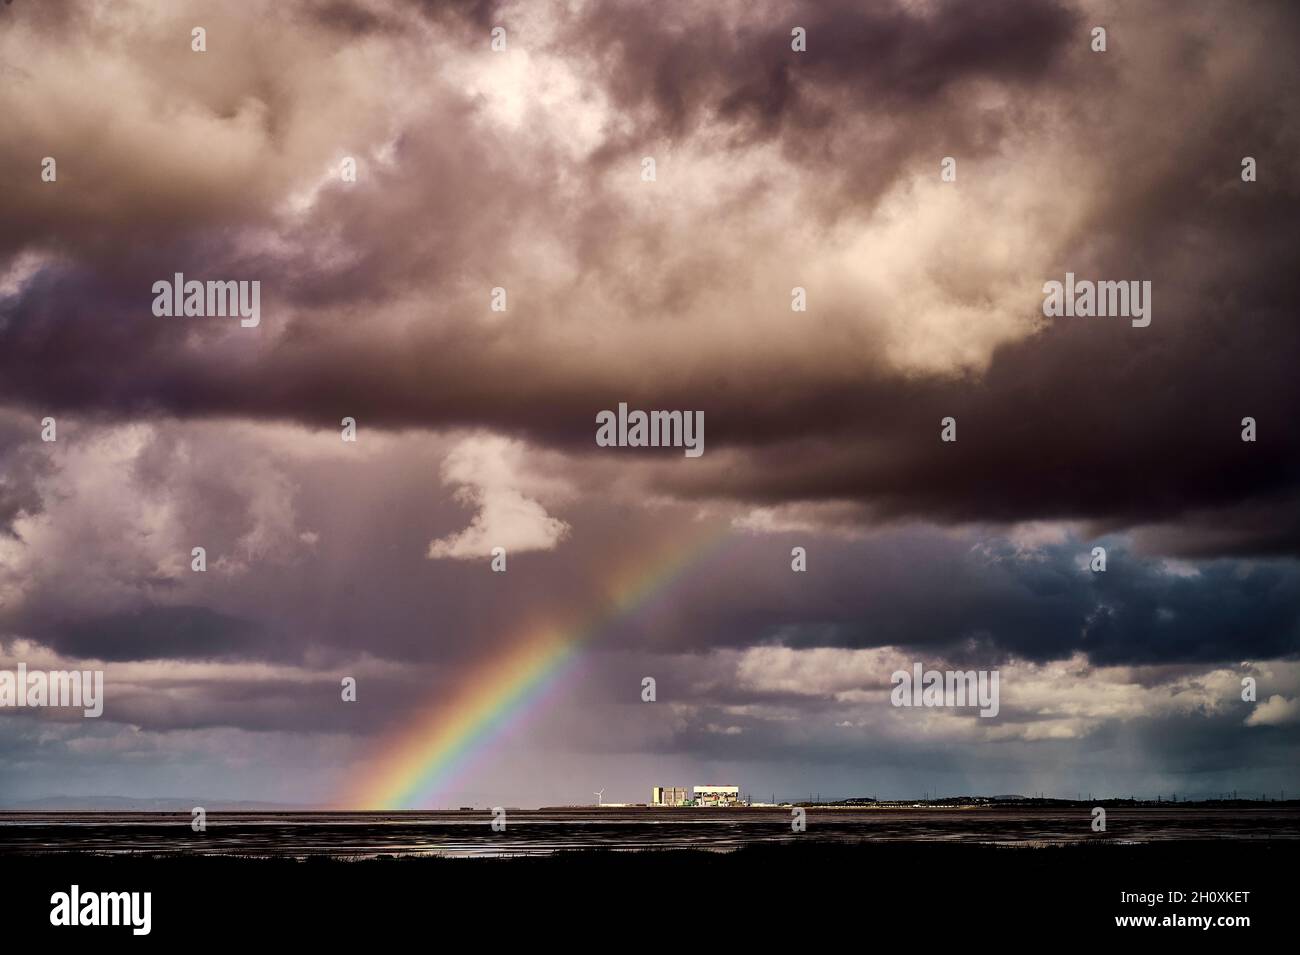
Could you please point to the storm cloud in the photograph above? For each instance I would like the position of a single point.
(522, 170)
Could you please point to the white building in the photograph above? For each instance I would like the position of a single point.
(717, 795)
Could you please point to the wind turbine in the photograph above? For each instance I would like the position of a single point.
(600, 798)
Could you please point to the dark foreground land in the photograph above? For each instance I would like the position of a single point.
(470, 832)
(936, 895)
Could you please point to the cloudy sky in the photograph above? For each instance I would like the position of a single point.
(523, 169)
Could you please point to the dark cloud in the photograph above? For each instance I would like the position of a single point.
(1086, 419)
(978, 600)
(150, 633)
(871, 58)
(20, 468)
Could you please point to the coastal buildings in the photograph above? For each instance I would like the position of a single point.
(669, 796)
(717, 795)
(704, 796)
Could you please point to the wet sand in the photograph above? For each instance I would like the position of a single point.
(543, 832)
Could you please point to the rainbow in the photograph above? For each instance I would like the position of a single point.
(439, 743)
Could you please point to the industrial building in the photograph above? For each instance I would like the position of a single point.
(669, 796)
(717, 795)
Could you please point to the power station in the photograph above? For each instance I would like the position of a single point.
(703, 796)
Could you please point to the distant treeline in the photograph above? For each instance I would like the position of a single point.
(1021, 801)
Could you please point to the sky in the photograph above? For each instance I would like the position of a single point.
(523, 169)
